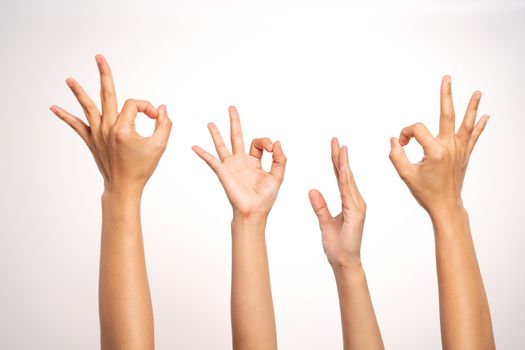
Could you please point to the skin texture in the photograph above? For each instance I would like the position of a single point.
(436, 183)
(126, 161)
(251, 192)
(341, 236)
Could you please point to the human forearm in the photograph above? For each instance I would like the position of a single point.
(251, 191)
(464, 309)
(126, 316)
(436, 182)
(341, 237)
(360, 329)
(126, 160)
(253, 321)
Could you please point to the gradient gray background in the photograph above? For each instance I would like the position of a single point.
(299, 71)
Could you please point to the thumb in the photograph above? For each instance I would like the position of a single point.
(278, 162)
(399, 159)
(319, 206)
(162, 126)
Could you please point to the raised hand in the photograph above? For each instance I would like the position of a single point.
(436, 183)
(250, 189)
(251, 192)
(341, 234)
(436, 180)
(341, 237)
(125, 159)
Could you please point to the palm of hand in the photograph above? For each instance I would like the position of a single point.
(342, 234)
(248, 187)
(342, 240)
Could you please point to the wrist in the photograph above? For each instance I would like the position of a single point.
(446, 208)
(120, 208)
(448, 213)
(121, 197)
(122, 188)
(349, 266)
(249, 223)
(449, 223)
(353, 270)
(255, 217)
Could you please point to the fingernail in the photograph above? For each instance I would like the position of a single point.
(447, 78)
(69, 82)
(52, 108)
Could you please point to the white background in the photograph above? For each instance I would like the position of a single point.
(300, 72)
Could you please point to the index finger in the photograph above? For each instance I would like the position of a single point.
(420, 132)
(236, 131)
(347, 185)
(467, 126)
(107, 92)
(278, 162)
(335, 156)
(162, 127)
(447, 118)
(132, 107)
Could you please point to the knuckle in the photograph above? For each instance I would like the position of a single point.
(360, 214)
(120, 134)
(448, 114)
(469, 128)
(480, 129)
(361, 204)
(391, 156)
(439, 153)
(159, 145)
(109, 91)
(92, 109)
(419, 126)
(106, 93)
(403, 174)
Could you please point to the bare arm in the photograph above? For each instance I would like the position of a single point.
(253, 320)
(342, 236)
(436, 182)
(126, 160)
(464, 308)
(126, 316)
(251, 192)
